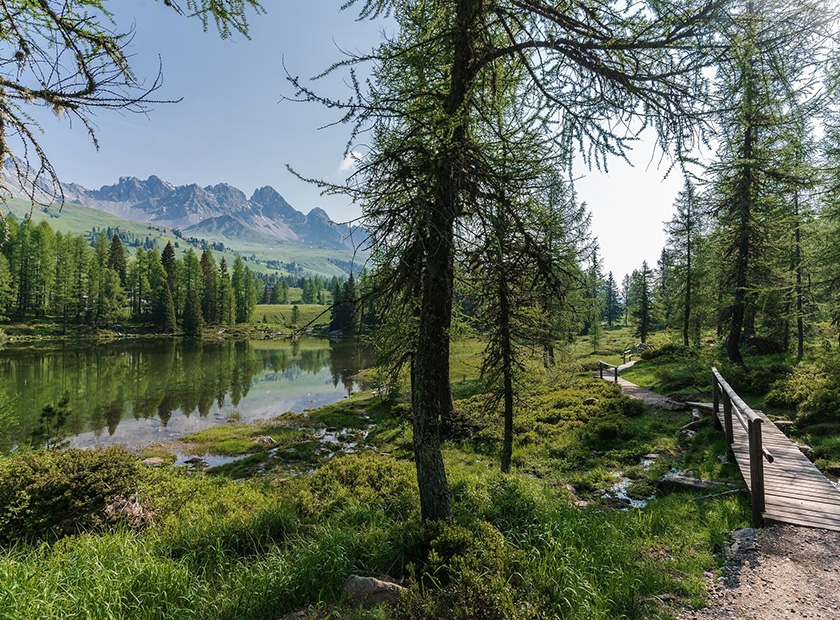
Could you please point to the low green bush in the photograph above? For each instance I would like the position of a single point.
(669, 351)
(48, 495)
(756, 379)
(367, 479)
(812, 389)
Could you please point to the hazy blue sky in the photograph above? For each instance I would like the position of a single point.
(233, 125)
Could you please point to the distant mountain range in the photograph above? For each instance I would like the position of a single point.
(217, 211)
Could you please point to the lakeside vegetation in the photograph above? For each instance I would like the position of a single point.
(252, 540)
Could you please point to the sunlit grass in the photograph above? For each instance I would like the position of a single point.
(516, 547)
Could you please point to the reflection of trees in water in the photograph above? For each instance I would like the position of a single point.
(152, 379)
(346, 360)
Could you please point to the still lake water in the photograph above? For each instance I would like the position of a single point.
(139, 392)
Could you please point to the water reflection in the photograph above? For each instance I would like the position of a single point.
(141, 391)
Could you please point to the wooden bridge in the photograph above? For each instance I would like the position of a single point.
(784, 485)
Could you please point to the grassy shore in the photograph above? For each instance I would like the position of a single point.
(333, 493)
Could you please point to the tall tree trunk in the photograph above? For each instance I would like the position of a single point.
(432, 397)
(431, 393)
(687, 309)
(800, 327)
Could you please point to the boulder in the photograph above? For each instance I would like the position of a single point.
(590, 401)
(153, 461)
(371, 591)
(808, 451)
(673, 405)
(685, 436)
(264, 440)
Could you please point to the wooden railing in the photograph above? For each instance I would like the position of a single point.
(602, 365)
(751, 423)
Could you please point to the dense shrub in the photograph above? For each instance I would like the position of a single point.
(671, 351)
(370, 480)
(755, 379)
(471, 573)
(812, 389)
(52, 494)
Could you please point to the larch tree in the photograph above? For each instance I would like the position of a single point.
(642, 301)
(776, 53)
(685, 234)
(590, 67)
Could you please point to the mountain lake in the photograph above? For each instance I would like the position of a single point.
(137, 392)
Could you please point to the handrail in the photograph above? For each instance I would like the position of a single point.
(602, 365)
(751, 422)
(742, 409)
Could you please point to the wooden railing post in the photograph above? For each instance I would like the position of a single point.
(615, 379)
(716, 400)
(727, 427)
(756, 473)
(600, 370)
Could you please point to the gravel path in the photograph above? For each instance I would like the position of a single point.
(779, 572)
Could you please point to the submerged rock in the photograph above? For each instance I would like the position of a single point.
(264, 440)
(695, 425)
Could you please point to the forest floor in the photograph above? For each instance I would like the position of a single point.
(781, 571)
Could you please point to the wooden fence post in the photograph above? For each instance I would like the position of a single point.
(727, 427)
(615, 379)
(600, 370)
(756, 473)
(716, 399)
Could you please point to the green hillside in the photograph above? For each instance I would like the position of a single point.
(263, 254)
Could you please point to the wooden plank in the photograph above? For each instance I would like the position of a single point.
(803, 521)
(803, 505)
(796, 492)
(793, 516)
(799, 494)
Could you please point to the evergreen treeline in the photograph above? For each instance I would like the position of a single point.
(48, 274)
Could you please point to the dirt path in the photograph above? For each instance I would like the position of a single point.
(632, 390)
(778, 572)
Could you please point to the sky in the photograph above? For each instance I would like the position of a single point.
(234, 123)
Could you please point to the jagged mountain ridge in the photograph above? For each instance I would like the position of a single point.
(216, 210)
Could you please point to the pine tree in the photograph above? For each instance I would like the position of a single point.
(685, 235)
(116, 258)
(226, 304)
(641, 295)
(210, 289)
(193, 321)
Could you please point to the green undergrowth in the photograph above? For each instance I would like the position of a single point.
(515, 548)
(540, 542)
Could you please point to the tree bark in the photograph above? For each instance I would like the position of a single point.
(800, 326)
(432, 394)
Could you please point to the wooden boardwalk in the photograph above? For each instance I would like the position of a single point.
(795, 490)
